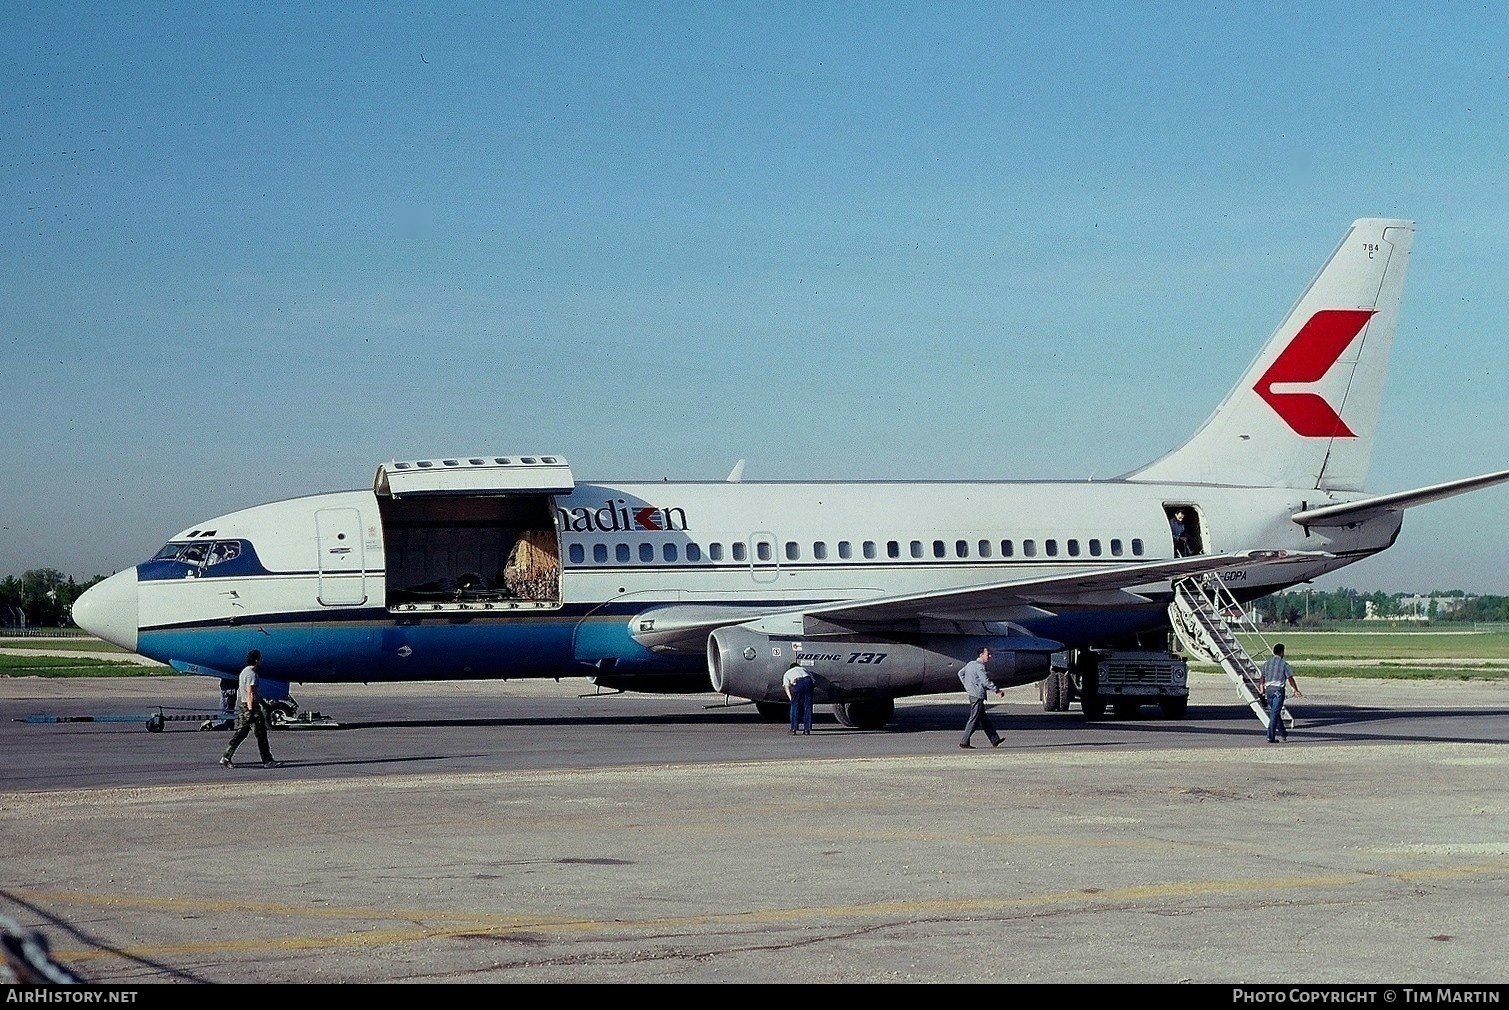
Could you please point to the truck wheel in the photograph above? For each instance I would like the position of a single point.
(1127, 709)
(1094, 706)
(1173, 708)
(1051, 688)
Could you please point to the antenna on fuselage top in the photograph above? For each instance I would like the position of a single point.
(737, 473)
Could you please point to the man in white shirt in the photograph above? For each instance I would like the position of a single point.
(1277, 676)
(251, 714)
(798, 684)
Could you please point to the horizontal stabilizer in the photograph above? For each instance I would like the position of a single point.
(1363, 509)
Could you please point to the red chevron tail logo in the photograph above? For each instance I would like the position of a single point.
(1309, 356)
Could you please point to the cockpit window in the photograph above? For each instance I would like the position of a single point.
(193, 554)
(200, 552)
(224, 550)
(202, 559)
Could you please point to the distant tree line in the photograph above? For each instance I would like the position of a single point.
(1302, 607)
(40, 598)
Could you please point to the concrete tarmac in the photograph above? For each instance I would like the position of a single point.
(520, 832)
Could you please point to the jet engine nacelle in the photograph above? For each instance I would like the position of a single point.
(750, 664)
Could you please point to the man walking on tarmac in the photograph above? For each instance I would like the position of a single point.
(977, 685)
(1277, 676)
(251, 713)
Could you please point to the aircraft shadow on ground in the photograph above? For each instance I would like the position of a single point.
(1333, 722)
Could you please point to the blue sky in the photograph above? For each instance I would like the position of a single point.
(250, 256)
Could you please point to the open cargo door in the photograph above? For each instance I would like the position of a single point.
(475, 533)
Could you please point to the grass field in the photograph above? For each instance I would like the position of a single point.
(68, 666)
(59, 644)
(1405, 654)
(1401, 654)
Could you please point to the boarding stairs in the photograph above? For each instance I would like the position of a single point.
(1206, 617)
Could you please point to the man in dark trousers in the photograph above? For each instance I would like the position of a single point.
(251, 713)
(798, 684)
(977, 685)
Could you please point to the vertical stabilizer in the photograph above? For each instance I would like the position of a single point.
(1305, 412)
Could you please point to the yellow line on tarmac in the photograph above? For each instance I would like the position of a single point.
(470, 923)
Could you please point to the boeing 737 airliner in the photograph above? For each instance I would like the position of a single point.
(505, 566)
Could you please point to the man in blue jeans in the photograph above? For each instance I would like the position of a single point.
(1277, 676)
(798, 685)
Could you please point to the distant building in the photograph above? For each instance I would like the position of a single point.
(1416, 608)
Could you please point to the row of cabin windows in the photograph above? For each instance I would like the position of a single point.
(870, 550)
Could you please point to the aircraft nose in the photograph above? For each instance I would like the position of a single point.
(108, 610)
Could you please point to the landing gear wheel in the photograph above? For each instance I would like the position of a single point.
(872, 713)
(155, 723)
(1173, 708)
(773, 711)
(283, 712)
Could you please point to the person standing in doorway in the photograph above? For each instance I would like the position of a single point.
(1180, 532)
(798, 684)
(977, 684)
(251, 713)
(1278, 676)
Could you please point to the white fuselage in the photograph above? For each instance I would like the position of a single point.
(319, 586)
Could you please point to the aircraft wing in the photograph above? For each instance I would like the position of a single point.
(685, 627)
(1363, 509)
(1004, 601)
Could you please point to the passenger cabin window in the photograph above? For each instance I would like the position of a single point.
(739, 551)
(646, 552)
(1094, 548)
(693, 552)
(845, 551)
(578, 554)
(820, 550)
(1136, 547)
(1029, 548)
(939, 550)
(984, 548)
(1050, 548)
(916, 548)
(1073, 548)
(600, 553)
(793, 552)
(869, 549)
(961, 548)
(621, 552)
(1116, 550)
(1006, 549)
(668, 551)
(763, 551)
(892, 549)
(715, 551)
